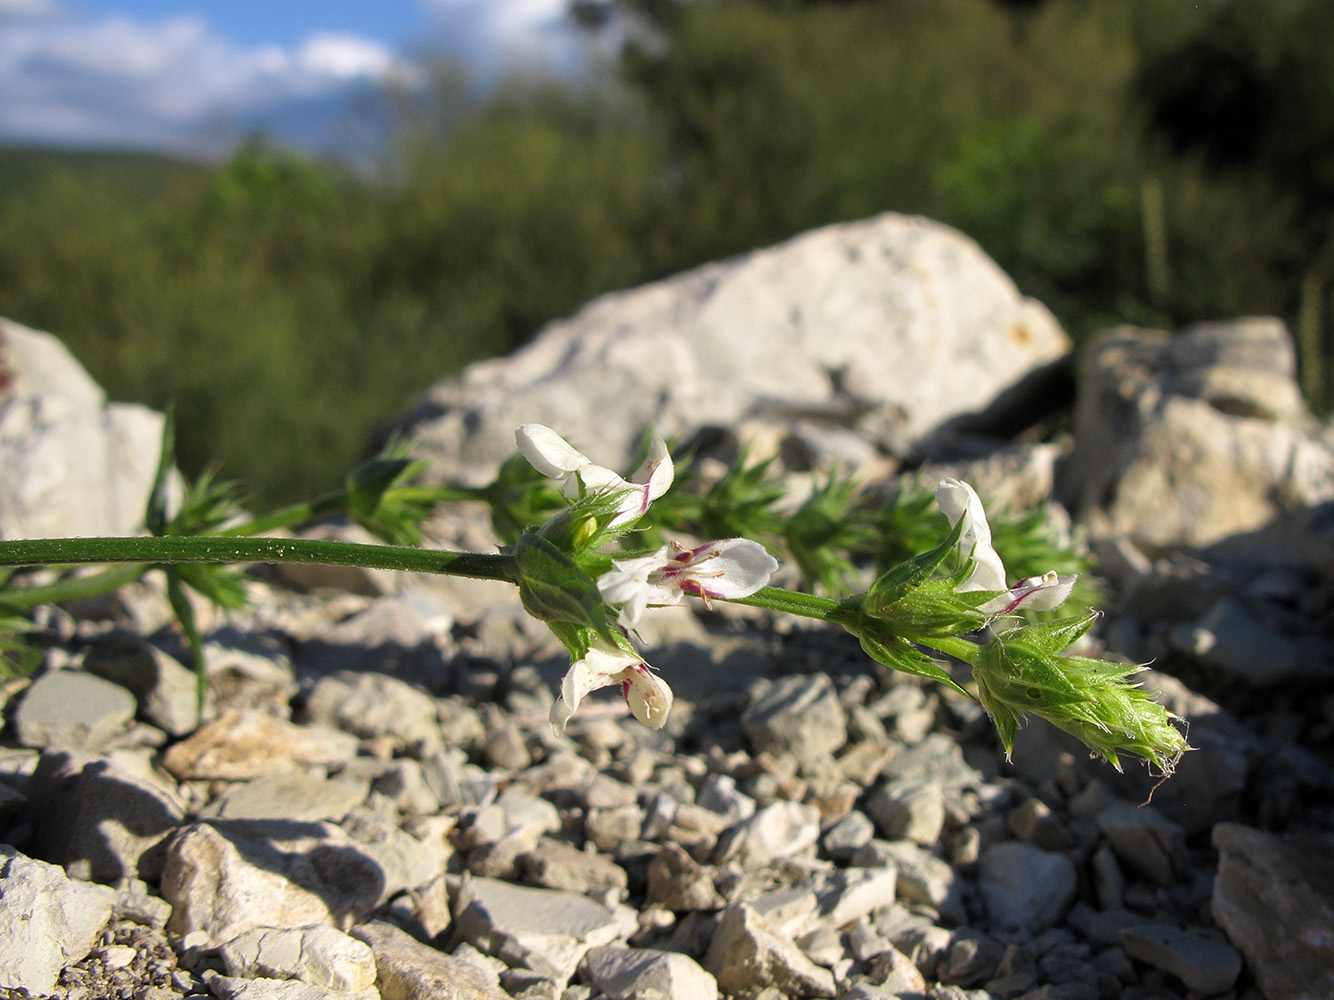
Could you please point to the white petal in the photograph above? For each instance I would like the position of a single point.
(657, 472)
(988, 571)
(959, 501)
(1041, 593)
(601, 667)
(653, 479)
(559, 716)
(649, 697)
(745, 566)
(548, 452)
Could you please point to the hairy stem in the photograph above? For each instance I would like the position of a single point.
(222, 549)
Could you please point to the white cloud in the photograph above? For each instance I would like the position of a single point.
(495, 36)
(166, 85)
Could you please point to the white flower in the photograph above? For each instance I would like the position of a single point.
(959, 500)
(553, 456)
(730, 568)
(605, 664)
(1040, 593)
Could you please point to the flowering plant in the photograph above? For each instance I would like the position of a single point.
(590, 555)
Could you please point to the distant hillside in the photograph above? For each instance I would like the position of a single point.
(137, 175)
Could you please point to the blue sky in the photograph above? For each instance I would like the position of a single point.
(194, 76)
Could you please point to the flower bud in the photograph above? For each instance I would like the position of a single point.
(1092, 700)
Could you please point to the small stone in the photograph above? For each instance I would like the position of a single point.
(47, 921)
(1201, 958)
(800, 715)
(1025, 887)
(843, 839)
(1144, 840)
(230, 876)
(864, 761)
(972, 959)
(848, 895)
(554, 865)
(249, 744)
(72, 710)
(317, 954)
(406, 969)
(1273, 897)
(643, 974)
(1033, 822)
(719, 794)
(164, 687)
(299, 796)
(746, 956)
(235, 988)
(371, 704)
(677, 883)
(405, 783)
(103, 820)
(545, 930)
(909, 811)
(779, 830)
(922, 877)
(610, 829)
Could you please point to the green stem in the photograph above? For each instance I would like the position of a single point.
(223, 549)
(951, 645)
(793, 602)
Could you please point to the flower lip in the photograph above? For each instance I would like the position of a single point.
(604, 665)
(1036, 593)
(727, 569)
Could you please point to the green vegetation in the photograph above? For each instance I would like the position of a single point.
(1133, 162)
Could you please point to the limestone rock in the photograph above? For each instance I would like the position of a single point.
(1201, 958)
(410, 970)
(70, 463)
(544, 930)
(779, 830)
(302, 796)
(1273, 897)
(164, 687)
(746, 957)
(676, 882)
(891, 326)
(1025, 887)
(554, 865)
(103, 820)
(645, 974)
(317, 954)
(371, 704)
(250, 744)
(72, 710)
(799, 715)
(47, 921)
(1191, 438)
(227, 877)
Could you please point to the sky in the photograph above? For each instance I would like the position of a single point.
(195, 76)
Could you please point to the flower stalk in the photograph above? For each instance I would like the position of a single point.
(572, 534)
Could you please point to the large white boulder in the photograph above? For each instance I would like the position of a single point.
(70, 462)
(887, 327)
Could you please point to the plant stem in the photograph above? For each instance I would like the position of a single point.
(952, 645)
(792, 602)
(222, 549)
